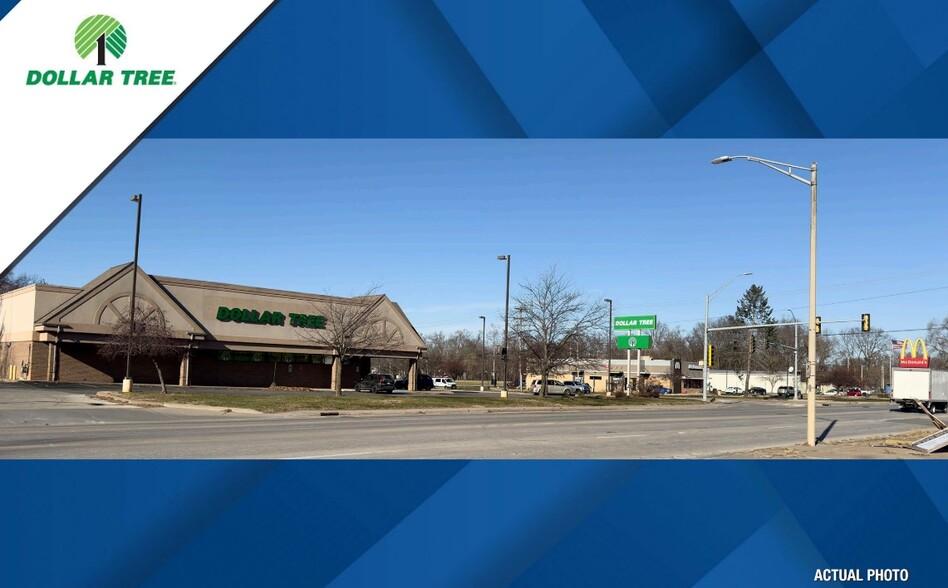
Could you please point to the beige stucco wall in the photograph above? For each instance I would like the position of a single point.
(20, 308)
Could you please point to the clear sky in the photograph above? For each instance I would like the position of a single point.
(649, 223)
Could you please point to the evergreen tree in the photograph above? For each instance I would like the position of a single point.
(754, 309)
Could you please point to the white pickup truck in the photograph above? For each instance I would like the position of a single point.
(914, 386)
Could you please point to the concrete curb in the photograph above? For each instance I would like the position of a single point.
(121, 399)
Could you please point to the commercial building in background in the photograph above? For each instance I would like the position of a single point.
(227, 335)
(721, 380)
(681, 377)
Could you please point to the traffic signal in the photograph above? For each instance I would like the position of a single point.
(753, 343)
(710, 355)
(819, 322)
(865, 323)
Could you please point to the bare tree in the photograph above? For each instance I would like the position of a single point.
(938, 343)
(152, 338)
(554, 317)
(870, 348)
(351, 327)
(11, 281)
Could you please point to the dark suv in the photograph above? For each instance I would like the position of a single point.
(376, 383)
(422, 382)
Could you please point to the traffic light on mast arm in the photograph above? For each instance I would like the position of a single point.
(865, 323)
(818, 324)
(710, 355)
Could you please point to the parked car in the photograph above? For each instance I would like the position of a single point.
(444, 383)
(733, 390)
(581, 387)
(376, 383)
(854, 392)
(831, 392)
(422, 382)
(659, 389)
(758, 391)
(567, 388)
(786, 392)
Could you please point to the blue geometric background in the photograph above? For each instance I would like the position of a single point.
(527, 68)
(468, 523)
(579, 68)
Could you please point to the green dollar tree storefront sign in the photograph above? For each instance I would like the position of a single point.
(270, 317)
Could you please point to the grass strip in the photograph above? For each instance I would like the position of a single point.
(280, 403)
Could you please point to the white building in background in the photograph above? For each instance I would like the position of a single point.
(722, 379)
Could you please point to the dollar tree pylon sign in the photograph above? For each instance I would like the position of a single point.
(634, 323)
(633, 342)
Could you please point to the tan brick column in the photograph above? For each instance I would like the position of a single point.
(412, 374)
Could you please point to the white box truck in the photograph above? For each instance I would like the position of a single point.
(913, 386)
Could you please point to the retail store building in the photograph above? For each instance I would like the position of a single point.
(224, 334)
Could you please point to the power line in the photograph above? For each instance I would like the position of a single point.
(884, 296)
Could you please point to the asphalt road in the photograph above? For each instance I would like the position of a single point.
(64, 422)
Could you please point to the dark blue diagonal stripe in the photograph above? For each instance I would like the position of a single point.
(554, 69)
(679, 50)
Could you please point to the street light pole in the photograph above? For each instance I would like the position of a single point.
(609, 350)
(796, 353)
(503, 354)
(127, 382)
(787, 170)
(707, 304)
(483, 347)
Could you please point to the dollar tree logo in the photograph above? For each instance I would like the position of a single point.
(100, 33)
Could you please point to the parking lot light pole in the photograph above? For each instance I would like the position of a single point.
(707, 305)
(483, 347)
(127, 382)
(503, 354)
(609, 350)
(787, 170)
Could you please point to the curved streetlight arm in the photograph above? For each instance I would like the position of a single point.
(726, 284)
(774, 165)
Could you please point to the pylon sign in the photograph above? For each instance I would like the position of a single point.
(634, 342)
(914, 361)
(634, 323)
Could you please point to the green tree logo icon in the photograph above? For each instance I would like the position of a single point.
(100, 33)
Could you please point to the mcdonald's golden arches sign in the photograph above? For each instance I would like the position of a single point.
(913, 360)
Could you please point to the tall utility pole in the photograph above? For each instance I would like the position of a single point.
(127, 382)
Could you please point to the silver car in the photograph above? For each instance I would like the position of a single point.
(557, 387)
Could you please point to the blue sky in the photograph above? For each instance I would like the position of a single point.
(649, 223)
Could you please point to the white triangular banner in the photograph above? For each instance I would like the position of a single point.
(65, 118)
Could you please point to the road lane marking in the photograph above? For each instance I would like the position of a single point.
(349, 454)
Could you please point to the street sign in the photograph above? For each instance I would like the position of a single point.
(634, 342)
(634, 323)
